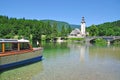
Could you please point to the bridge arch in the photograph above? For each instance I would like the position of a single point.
(117, 40)
(108, 39)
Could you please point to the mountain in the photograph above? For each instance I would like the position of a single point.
(61, 23)
(74, 26)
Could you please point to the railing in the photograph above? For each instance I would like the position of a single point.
(89, 38)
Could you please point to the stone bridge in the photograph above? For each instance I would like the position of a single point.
(107, 38)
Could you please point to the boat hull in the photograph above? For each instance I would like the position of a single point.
(20, 59)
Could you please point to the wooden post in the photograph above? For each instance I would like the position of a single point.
(31, 47)
(3, 47)
(18, 46)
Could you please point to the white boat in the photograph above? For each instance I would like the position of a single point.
(17, 52)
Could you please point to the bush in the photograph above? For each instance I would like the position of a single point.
(116, 43)
(77, 39)
(100, 42)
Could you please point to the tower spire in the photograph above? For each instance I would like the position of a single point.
(83, 20)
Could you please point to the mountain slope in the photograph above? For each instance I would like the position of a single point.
(61, 23)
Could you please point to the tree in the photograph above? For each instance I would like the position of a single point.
(109, 32)
(93, 30)
(54, 30)
(69, 29)
(48, 30)
(63, 31)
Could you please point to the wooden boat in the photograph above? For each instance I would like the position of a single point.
(17, 52)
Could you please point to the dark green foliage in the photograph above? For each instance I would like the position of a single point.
(77, 39)
(100, 42)
(93, 30)
(105, 29)
(54, 30)
(31, 29)
(116, 43)
(63, 31)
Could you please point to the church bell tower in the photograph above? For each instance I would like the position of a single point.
(83, 32)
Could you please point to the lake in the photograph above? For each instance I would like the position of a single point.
(70, 61)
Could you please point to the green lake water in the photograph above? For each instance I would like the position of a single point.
(70, 61)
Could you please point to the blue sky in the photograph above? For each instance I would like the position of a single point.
(71, 11)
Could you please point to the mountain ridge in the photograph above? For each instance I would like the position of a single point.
(61, 23)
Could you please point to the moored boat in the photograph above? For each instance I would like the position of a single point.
(17, 52)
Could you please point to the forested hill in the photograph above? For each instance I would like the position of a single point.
(110, 24)
(105, 29)
(61, 23)
(11, 27)
(75, 26)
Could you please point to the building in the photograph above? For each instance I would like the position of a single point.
(79, 33)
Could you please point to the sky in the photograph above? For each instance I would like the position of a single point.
(71, 11)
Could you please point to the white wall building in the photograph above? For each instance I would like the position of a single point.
(79, 33)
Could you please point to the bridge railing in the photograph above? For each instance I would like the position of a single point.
(89, 38)
(103, 37)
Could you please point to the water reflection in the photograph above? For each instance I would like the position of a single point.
(55, 50)
(110, 52)
(82, 53)
(83, 50)
(74, 61)
(71, 61)
(88, 52)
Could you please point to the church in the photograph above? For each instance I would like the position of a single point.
(79, 33)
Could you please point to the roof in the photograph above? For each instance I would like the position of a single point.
(13, 40)
(75, 31)
(23, 40)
